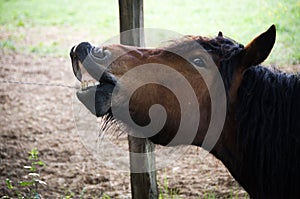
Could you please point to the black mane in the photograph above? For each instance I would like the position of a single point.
(226, 49)
(268, 137)
(221, 46)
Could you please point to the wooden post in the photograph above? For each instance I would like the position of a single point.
(143, 185)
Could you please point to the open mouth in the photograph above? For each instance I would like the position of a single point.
(97, 84)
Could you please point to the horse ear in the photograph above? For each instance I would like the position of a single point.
(259, 48)
(220, 34)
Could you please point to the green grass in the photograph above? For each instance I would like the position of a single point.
(240, 20)
(64, 13)
(165, 192)
(29, 187)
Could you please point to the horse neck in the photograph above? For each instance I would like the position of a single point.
(226, 148)
(252, 120)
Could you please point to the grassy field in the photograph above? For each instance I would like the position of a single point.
(240, 20)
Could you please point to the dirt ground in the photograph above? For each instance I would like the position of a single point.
(42, 116)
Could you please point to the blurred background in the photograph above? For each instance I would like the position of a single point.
(35, 39)
(44, 27)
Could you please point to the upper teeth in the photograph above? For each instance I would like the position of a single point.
(85, 84)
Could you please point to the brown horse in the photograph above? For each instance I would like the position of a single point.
(260, 140)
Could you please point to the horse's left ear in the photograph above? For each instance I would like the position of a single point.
(259, 48)
(220, 34)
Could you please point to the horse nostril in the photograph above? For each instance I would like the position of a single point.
(98, 52)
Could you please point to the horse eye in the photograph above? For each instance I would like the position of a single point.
(199, 62)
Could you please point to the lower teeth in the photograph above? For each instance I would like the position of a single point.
(86, 84)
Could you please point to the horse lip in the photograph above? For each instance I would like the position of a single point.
(108, 78)
(81, 51)
(97, 99)
(75, 64)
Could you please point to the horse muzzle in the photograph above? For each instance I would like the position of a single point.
(90, 68)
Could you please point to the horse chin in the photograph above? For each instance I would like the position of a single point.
(97, 99)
